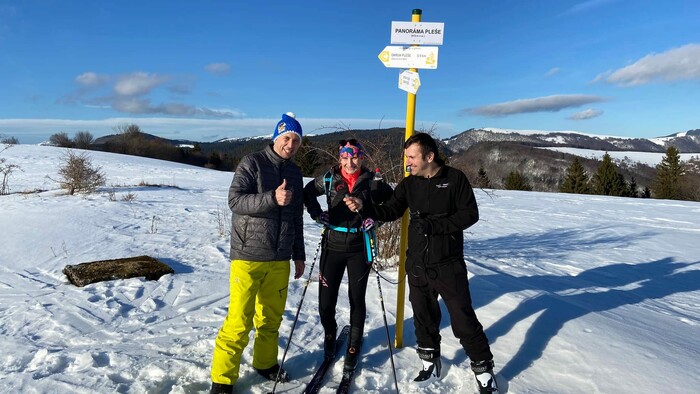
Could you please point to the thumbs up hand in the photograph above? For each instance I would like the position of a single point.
(282, 195)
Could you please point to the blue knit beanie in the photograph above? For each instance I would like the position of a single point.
(288, 124)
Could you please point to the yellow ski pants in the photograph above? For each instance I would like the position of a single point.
(258, 296)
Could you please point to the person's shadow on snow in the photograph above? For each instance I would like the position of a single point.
(595, 290)
(563, 297)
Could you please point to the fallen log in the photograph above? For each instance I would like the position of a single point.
(130, 267)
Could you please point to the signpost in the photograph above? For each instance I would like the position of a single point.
(421, 33)
(409, 57)
(414, 33)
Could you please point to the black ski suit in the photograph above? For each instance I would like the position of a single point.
(343, 249)
(441, 208)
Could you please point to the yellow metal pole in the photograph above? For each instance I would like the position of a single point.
(403, 244)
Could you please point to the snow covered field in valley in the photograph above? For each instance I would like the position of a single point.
(577, 293)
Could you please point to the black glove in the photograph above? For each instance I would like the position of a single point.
(323, 218)
(422, 226)
(379, 192)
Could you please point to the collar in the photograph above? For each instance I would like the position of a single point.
(273, 156)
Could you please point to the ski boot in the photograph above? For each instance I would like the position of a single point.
(483, 370)
(274, 373)
(431, 364)
(352, 356)
(329, 344)
(221, 388)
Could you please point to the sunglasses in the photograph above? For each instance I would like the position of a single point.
(350, 148)
(351, 141)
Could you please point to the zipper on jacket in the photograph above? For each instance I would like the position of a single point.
(429, 237)
(279, 211)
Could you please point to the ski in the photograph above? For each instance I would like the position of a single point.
(348, 374)
(315, 384)
(345, 382)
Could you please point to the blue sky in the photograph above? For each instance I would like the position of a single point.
(213, 69)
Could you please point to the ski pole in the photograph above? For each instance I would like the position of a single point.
(381, 299)
(373, 251)
(296, 317)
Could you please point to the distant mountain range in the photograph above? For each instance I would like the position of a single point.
(685, 142)
(498, 151)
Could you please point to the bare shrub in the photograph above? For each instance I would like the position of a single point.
(154, 225)
(64, 249)
(223, 220)
(77, 173)
(61, 140)
(129, 197)
(6, 170)
(148, 184)
(389, 239)
(83, 140)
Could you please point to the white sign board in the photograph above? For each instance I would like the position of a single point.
(409, 57)
(409, 81)
(417, 33)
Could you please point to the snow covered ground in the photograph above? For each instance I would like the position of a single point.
(648, 158)
(578, 294)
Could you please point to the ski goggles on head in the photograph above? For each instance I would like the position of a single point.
(350, 148)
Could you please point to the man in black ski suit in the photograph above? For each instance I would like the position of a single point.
(442, 205)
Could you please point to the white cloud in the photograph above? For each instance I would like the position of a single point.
(553, 71)
(37, 130)
(676, 64)
(134, 105)
(131, 93)
(138, 83)
(91, 79)
(539, 104)
(586, 114)
(586, 6)
(218, 68)
(180, 89)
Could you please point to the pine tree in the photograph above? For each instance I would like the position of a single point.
(606, 180)
(669, 172)
(633, 192)
(214, 160)
(576, 179)
(516, 181)
(482, 180)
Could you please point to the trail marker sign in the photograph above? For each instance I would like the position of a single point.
(409, 57)
(409, 81)
(417, 33)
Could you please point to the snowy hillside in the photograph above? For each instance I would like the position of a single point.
(686, 142)
(577, 293)
(648, 158)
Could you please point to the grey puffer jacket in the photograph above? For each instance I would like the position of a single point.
(261, 230)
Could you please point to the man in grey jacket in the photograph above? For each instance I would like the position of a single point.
(266, 200)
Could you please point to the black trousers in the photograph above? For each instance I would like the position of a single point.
(449, 281)
(333, 266)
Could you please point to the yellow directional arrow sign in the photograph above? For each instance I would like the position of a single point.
(409, 81)
(409, 57)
